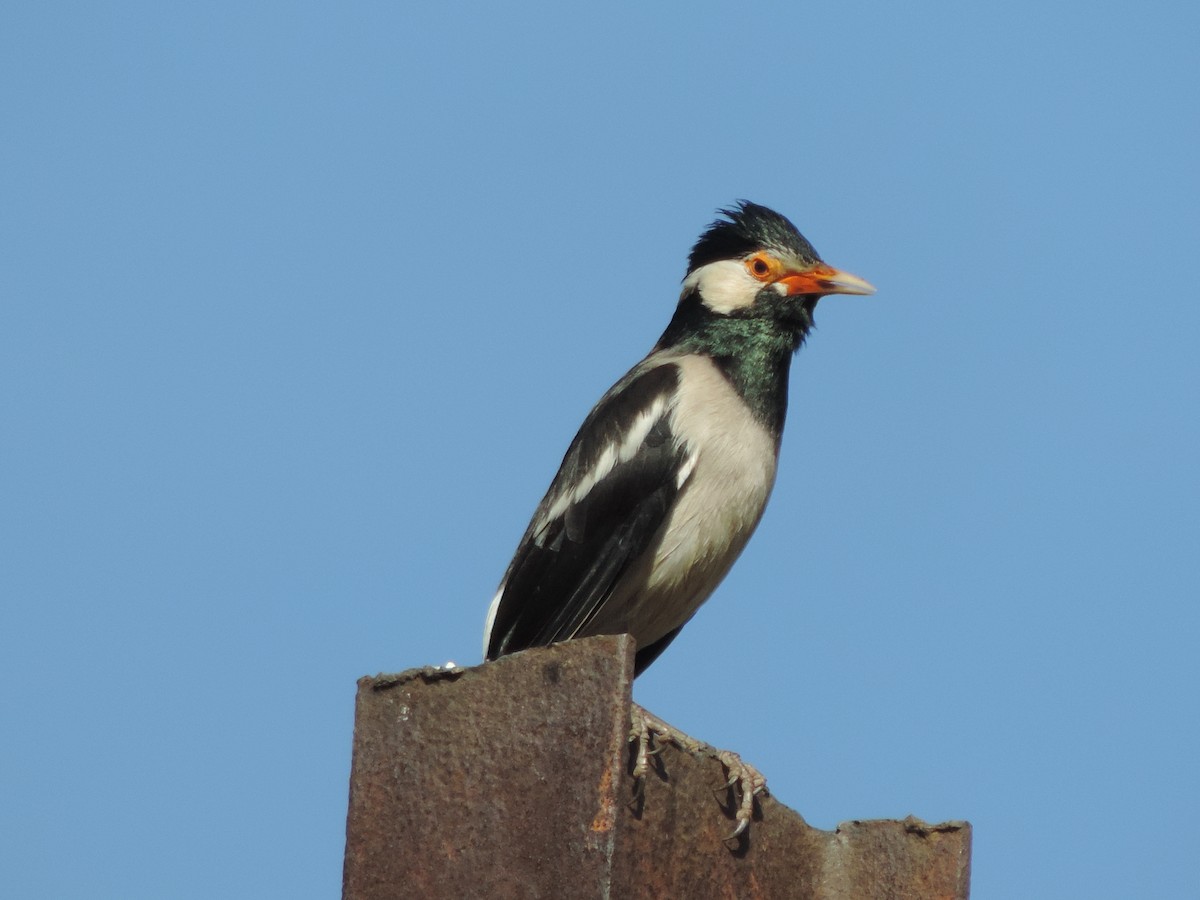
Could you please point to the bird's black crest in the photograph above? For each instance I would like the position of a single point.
(745, 228)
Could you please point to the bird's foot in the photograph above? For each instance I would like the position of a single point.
(750, 782)
(648, 730)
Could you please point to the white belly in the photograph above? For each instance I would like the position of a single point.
(724, 488)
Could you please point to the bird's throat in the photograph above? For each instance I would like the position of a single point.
(758, 371)
(753, 352)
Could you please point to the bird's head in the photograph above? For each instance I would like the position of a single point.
(755, 263)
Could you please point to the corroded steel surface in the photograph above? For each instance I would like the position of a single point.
(496, 781)
(512, 780)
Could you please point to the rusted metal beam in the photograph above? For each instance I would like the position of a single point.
(512, 779)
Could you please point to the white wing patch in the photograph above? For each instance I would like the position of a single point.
(685, 470)
(491, 620)
(612, 456)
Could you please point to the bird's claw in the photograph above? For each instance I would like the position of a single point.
(751, 783)
(639, 732)
(646, 727)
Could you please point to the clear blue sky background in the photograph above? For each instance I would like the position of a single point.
(301, 303)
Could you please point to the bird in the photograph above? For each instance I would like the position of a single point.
(670, 472)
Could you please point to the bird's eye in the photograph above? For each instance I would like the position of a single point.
(760, 267)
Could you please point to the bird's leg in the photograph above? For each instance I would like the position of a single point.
(749, 781)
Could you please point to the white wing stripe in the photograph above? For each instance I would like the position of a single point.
(491, 620)
(685, 470)
(613, 455)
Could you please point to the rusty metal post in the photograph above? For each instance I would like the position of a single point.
(512, 779)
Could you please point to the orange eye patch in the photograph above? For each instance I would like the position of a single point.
(763, 267)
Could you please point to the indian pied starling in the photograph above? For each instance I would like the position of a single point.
(670, 472)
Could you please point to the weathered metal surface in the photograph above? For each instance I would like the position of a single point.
(512, 780)
(496, 781)
(675, 847)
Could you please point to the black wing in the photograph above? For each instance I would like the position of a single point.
(611, 494)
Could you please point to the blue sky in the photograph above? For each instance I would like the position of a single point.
(302, 304)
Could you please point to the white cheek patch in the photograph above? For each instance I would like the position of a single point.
(724, 285)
